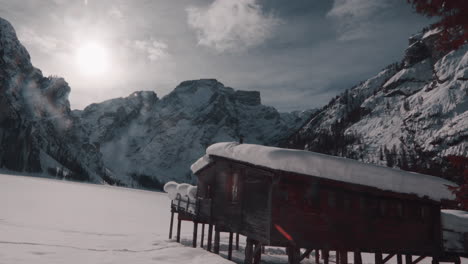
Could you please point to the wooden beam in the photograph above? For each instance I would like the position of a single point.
(399, 259)
(357, 257)
(216, 241)
(317, 256)
(202, 235)
(378, 258)
(210, 236)
(344, 257)
(408, 259)
(294, 254)
(195, 231)
(248, 251)
(418, 259)
(326, 256)
(179, 225)
(387, 258)
(306, 253)
(230, 246)
(435, 260)
(257, 252)
(237, 241)
(171, 225)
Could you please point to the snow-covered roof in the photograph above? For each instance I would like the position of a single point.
(455, 220)
(330, 167)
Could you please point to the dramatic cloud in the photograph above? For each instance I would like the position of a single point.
(154, 49)
(353, 18)
(231, 25)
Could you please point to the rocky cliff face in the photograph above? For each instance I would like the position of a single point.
(411, 115)
(37, 133)
(147, 141)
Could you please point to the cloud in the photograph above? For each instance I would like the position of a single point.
(154, 49)
(43, 43)
(228, 25)
(354, 18)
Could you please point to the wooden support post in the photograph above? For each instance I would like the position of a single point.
(216, 241)
(171, 225)
(337, 257)
(326, 256)
(202, 235)
(210, 236)
(378, 258)
(317, 256)
(435, 260)
(257, 252)
(237, 241)
(195, 231)
(248, 251)
(230, 246)
(344, 257)
(387, 258)
(399, 259)
(294, 255)
(357, 257)
(408, 259)
(263, 249)
(457, 260)
(179, 225)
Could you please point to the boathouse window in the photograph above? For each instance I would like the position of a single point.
(423, 212)
(235, 188)
(332, 201)
(312, 196)
(382, 208)
(399, 209)
(346, 202)
(208, 191)
(362, 204)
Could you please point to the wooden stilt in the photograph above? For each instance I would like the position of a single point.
(210, 236)
(263, 249)
(435, 260)
(237, 241)
(399, 259)
(408, 259)
(230, 246)
(378, 258)
(457, 260)
(337, 257)
(248, 251)
(216, 241)
(326, 256)
(179, 225)
(257, 252)
(357, 257)
(344, 257)
(317, 256)
(202, 235)
(171, 225)
(294, 255)
(195, 230)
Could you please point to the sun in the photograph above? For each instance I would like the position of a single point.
(92, 58)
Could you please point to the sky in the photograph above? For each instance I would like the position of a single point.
(298, 53)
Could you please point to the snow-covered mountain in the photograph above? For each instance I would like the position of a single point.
(146, 140)
(411, 115)
(36, 130)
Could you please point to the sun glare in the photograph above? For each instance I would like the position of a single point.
(92, 58)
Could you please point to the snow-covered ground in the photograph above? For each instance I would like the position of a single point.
(51, 221)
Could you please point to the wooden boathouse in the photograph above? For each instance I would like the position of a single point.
(304, 200)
